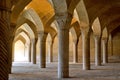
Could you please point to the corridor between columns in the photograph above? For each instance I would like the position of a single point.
(26, 25)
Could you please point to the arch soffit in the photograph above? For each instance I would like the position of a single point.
(30, 23)
(107, 17)
(27, 28)
(82, 14)
(92, 8)
(17, 8)
(24, 35)
(31, 15)
(45, 10)
(72, 5)
(22, 30)
(113, 25)
(75, 29)
(50, 1)
(49, 21)
(74, 34)
(20, 37)
(52, 32)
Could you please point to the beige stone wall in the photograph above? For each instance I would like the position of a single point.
(116, 45)
(91, 48)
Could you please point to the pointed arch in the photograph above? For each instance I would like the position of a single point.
(32, 16)
(52, 32)
(20, 37)
(17, 9)
(75, 30)
(20, 31)
(72, 5)
(105, 33)
(82, 14)
(108, 17)
(28, 22)
(96, 27)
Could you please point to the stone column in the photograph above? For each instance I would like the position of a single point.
(5, 46)
(97, 50)
(33, 50)
(5, 66)
(10, 53)
(11, 49)
(63, 53)
(86, 48)
(29, 52)
(105, 50)
(75, 51)
(43, 37)
(50, 51)
(111, 45)
(5, 58)
(24, 50)
(63, 20)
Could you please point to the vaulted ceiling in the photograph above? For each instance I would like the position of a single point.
(106, 11)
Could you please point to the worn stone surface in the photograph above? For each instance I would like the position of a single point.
(27, 71)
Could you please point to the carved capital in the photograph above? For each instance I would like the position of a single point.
(63, 20)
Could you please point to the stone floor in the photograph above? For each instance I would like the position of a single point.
(28, 71)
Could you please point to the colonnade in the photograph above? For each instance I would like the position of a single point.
(63, 52)
(63, 63)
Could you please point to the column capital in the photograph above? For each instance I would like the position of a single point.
(105, 38)
(85, 30)
(64, 20)
(110, 36)
(75, 40)
(43, 38)
(97, 36)
(50, 42)
(33, 40)
(41, 33)
(59, 15)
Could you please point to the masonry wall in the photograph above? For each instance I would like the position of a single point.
(116, 45)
